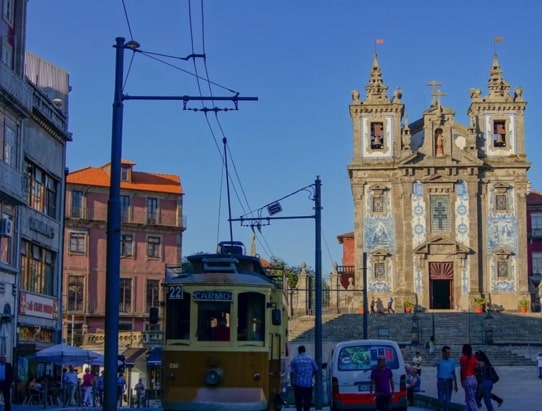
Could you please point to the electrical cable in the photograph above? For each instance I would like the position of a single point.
(127, 20)
(241, 196)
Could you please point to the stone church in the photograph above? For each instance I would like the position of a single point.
(439, 206)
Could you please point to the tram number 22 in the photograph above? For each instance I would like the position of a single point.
(175, 292)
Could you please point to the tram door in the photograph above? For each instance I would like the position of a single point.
(441, 285)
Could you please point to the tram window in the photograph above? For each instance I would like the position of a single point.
(178, 318)
(213, 321)
(251, 321)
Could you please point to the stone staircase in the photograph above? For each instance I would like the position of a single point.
(514, 338)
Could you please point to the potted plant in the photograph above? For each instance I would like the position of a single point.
(409, 306)
(479, 304)
(523, 304)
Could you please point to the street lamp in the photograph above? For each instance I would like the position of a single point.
(112, 270)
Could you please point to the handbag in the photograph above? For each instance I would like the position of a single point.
(492, 374)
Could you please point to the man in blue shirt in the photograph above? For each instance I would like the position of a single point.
(302, 369)
(446, 378)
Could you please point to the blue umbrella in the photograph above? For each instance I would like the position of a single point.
(63, 353)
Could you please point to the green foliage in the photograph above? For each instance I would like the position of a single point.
(524, 303)
(408, 304)
(291, 271)
(479, 301)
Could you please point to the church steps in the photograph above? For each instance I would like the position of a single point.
(510, 330)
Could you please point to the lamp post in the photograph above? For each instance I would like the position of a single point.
(112, 270)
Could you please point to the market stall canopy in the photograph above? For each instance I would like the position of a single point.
(63, 353)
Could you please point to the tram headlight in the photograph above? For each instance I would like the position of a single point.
(214, 376)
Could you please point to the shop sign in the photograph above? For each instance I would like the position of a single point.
(38, 306)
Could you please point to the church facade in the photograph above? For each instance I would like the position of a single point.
(439, 206)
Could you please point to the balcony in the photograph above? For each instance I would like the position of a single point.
(15, 90)
(345, 269)
(13, 183)
(49, 112)
(81, 308)
(138, 217)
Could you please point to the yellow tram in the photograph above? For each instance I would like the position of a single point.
(225, 334)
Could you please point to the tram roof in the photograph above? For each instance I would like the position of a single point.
(220, 278)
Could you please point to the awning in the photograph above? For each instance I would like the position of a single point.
(132, 354)
(155, 356)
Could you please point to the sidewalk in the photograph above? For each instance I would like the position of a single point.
(520, 388)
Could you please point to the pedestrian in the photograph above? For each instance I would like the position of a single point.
(539, 359)
(100, 386)
(413, 384)
(430, 345)
(6, 379)
(88, 382)
(302, 369)
(382, 384)
(390, 305)
(486, 379)
(373, 304)
(446, 378)
(140, 393)
(469, 366)
(70, 383)
(417, 362)
(121, 386)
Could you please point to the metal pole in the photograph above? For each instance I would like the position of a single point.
(112, 270)
(318, 290)
(365, 303)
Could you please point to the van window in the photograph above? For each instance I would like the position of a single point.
(363, 357)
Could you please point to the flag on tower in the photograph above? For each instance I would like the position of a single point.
(498, 39)
(379, 41)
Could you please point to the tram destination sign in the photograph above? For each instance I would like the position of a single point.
(212, 295)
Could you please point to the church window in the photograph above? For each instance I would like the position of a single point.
(499, 133)
(378, 204)
(379, 271)
(502, 269)
(377, 136)
(500, 202)
(440, 214)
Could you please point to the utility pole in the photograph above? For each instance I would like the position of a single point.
(112, 273)
(317, 273)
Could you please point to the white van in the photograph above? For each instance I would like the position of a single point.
(349, 370)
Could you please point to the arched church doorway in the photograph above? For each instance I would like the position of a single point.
(441, 278)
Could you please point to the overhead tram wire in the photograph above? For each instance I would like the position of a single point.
(127, 20)
(327, 248)
(193, 56)
(227, 151)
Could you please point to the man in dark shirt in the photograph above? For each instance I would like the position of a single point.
(382, 384)
(6, 379)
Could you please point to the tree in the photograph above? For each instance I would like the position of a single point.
(291, 271)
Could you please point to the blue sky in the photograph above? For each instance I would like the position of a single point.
(301, 59)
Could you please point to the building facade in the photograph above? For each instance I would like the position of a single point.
(440, 207)
(534, 246)
(33, 138)
(152, 227)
